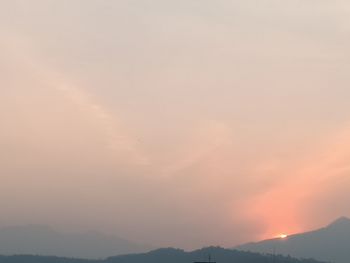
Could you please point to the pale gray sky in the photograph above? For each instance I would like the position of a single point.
(175, 123)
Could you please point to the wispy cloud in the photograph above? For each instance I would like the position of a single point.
(115, 134)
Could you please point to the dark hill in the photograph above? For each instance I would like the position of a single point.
(168, 255)
(220, 255)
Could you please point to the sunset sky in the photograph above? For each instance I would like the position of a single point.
(175, 123)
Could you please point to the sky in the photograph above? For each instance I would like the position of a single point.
(175, 123)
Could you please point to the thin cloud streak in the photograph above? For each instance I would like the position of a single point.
(117, 139)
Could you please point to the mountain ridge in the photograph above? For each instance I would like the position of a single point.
(46, 241)
(330, 243)
(168, 255)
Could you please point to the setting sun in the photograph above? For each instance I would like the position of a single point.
(282, 236)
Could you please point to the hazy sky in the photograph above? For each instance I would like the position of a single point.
(176, 123)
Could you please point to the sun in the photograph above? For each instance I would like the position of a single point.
(282, 236)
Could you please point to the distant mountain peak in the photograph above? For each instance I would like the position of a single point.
(44, 240)
(341, 221)
(328, 244)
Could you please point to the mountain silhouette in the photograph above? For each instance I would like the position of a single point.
(331, 243)
(168, 255)
(43, 240)
(217, 254)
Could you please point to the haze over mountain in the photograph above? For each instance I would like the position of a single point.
(168, 255)
(43, 240)
(331, 243)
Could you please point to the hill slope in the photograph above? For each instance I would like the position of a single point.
(219, 255)
(42, 240)
(331, 243)
(168, 255)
